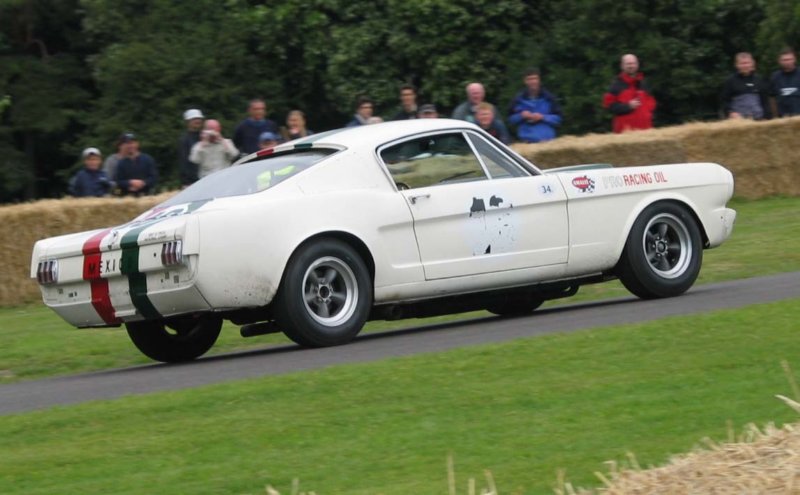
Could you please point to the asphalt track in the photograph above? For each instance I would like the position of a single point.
(39, 394)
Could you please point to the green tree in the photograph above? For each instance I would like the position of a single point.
(48, 87)
(779, 29)
(685, 48)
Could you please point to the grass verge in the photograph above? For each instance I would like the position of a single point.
(37, 343)
(522, 409)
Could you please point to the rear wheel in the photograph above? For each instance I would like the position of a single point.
(175, 339)
(663, 253)
(326, 294)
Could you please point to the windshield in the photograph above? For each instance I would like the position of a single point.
(251, 177)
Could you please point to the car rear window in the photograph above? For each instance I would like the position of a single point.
(251, 177)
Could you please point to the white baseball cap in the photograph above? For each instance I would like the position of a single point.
(192, 113)
(91, 151)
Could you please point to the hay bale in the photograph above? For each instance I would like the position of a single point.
(765, 461)
(762, 155)
(22, 225)
(624, 150)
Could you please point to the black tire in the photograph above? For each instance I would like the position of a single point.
(515, 305)
(326, 294)
(663, 253)
(175, 339)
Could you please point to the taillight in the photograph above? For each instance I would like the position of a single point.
(47, 272)
(171, 253)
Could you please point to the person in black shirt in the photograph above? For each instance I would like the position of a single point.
(785, 84)
(137, 172)
(745, 94)
(408, 103)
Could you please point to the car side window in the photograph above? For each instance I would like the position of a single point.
(432, 160)
(498, 165)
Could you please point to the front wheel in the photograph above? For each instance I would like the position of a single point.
(326, 294)
(663, 253)
(175, 339)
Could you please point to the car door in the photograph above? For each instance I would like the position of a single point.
(475, 209)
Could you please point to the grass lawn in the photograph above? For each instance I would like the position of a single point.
(521, 409)
(37, 343)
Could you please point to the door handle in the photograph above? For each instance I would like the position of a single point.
(414, 198)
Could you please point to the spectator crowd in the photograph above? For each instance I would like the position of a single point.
(534, 115)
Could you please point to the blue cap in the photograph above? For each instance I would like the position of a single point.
(268, 136)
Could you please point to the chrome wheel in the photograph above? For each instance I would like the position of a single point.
(667, 245)
(330, 291)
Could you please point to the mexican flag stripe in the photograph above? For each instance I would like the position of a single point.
(101, 299)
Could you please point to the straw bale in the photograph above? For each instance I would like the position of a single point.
(763, 156)
(23, 224)
(624, 150)
(765, 461)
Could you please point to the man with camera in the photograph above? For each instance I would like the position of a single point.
(213, 152)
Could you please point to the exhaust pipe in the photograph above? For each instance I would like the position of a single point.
(261, 328)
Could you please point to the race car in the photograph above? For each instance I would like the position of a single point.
(316, 236)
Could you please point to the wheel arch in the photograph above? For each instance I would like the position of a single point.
(682, 202)
(348, 238)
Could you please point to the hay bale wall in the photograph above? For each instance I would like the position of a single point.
(22, 225)
(763, 156)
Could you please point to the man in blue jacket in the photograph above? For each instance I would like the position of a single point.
(137, 172)
(535, 111)
(90, 180)
(246, 134)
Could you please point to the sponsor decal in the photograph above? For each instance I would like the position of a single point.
(634, 180)
(584, 184)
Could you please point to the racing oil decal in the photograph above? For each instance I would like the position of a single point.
(634, 180)
(92, 271)
(584, 184)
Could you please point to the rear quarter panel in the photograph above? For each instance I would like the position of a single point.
(246, 242)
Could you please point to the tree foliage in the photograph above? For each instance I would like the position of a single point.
(76, 73)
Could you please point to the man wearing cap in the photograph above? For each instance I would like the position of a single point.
(137, 172)
(428, 111)
(268, 140)
(194, 122)
(90, 180)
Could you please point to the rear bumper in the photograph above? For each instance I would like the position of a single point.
(118, 299)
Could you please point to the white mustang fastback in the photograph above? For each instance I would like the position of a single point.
(397, 220)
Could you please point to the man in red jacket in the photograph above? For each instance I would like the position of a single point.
(629, 98)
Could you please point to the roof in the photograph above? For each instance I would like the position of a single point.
(371, 135)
